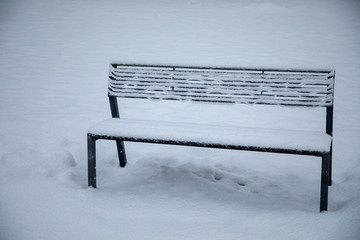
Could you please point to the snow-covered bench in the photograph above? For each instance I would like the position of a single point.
(288, 87)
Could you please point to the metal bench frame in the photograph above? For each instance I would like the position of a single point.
(326, 166)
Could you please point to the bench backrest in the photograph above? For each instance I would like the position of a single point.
(312, 88)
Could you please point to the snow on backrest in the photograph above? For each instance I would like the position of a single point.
(223, 85)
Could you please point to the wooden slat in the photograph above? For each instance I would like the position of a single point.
(258, 86)
(318, 91)
(279, 100)
(226, 78)
(230, 92)
(235, 85)
(216, 68)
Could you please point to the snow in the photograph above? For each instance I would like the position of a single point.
(213, 134)
(54, 59)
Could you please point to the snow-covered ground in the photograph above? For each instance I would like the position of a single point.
(54, 58)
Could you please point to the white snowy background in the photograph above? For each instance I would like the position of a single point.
(54, 58)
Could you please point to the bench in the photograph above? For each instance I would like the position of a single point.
(285, 87)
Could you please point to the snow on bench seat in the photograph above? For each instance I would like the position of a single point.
(292, 141)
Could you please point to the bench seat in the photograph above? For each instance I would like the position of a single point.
(190, 134)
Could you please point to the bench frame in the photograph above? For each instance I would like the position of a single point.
(326, 166)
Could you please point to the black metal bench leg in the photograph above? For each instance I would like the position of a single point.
(325, 171)
(91, 161)
(330, 168)
(121, 153)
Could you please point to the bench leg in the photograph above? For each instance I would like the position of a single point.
(330, 170)
(325, 172)
(121, 153)
(91, 161)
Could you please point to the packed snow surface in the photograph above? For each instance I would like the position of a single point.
(54, 59)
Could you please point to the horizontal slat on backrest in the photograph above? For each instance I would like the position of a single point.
(224, 85)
